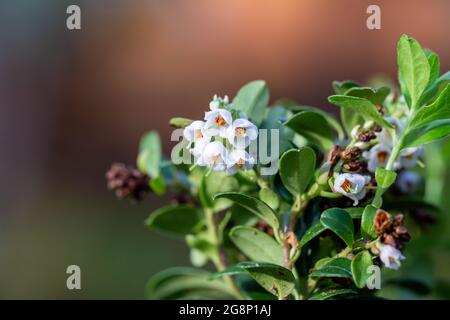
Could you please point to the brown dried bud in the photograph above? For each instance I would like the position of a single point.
(127, 181)
(351, 153)
(382, 221)
(366, 136)
(353, 165)
(334, 154)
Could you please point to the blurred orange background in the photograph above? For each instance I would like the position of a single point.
(71, 102)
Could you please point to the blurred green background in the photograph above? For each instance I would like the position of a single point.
(72, 102)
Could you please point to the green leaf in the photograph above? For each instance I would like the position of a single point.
(355, 212)
(175, 220)
(312, 232)
(179, 282)
(332, 122)
(257, 245)
(362, 106)
(180, 122)
(276, 279)
(434, 88)
(314, 127)
(269, 197)
(360, 263)
(340, 222)
(367, 225)
(341, 87)
(335, 268)
(438, 110)
(414, 69)
(273, 121)
(205, 198)
(350, 119)
(374, 95)
(150, 152)
(427, 133)
(296, 169)
(254, 205)
(253, 99)
(329, 293)
(217, 182)
(202, 243)
(435, 65)
(158, 185)
(385, 178)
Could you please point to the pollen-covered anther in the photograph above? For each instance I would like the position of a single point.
(220, 121)
(240, 131)
(346, 185)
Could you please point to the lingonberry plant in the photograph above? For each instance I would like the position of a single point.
(324, 223)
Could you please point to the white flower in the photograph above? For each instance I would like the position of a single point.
(217, 122)
(391, 257)
(196, 134)
(241, 132)
(214, 155)
(239, 159)
(377, 156)
(384, 137)
(218, 102)
(407, 181)
(408, 157)
(351, 185)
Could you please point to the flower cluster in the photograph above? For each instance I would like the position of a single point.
(221, 139)
(392, 234)
(371, 148)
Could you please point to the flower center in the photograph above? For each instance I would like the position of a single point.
(382, 156)
(392, 259)
(240, 163)
(214, 158)
(220, 121)
(240, 131)
(198, 134)
(346, 185)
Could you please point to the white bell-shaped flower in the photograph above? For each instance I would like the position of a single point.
(214, 155)
(241, 133)
(351, 185)
(239, 159)
(217, 122)
(408, 157)
(384, 137)
(218, 102)
(377, 156)
(407, 181)
(195, 133)
(391, 257)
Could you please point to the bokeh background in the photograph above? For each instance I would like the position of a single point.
(71, 102)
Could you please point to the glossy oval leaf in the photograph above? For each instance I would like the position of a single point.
(175, 220)
(367, 225)
(257, 245)
(180, 282)
(150, 154)
(335, 268)
(277, 280)
(253, 205)
(360, 267)
(296, 169)
(314, 127)
(253, 99)
(269, 197)
(413, 69)
(180, 122)
(362, 106)
(330, 293)
(312, 232)
(340, 222)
